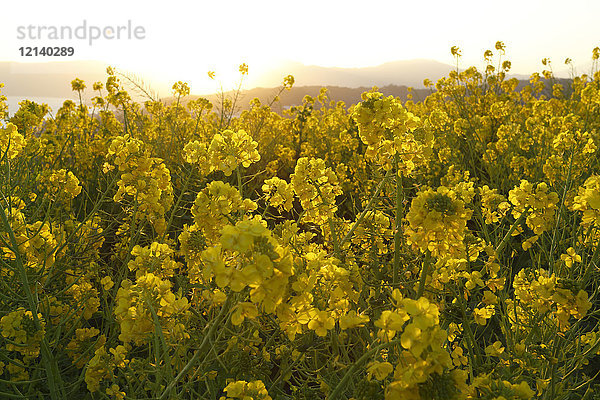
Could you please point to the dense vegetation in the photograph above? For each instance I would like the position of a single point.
(443, 249)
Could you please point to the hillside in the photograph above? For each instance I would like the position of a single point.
(53, 79)
(403, 72)
(294, 96)
(46, 82)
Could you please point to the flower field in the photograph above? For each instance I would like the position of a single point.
(441, 249)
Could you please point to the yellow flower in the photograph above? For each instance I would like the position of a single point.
(352, 320)
(379, 369)
(107, 283)
(98, 369)
(474, 280)
(317, 187)
(63, 184)
(458, 357)
(411, 336)
(582, 305)
(77, 85)
(494, 349)
(11, 141)
(386, 127)
(229, 149)
(20, 329)
(489, 298)
(254, 390)
(391, 322)
(398, 390)
(541, 203)
(283, 195)
(570, 257)
(321, 322)
(236, 389)
(423, 313)
(523, 391)
(437, 222)
(79, 347)
(119, 353)
(115, 392)
(242, 311)
(493, 205)
(481, 315)
(288, 82)
(196, 152)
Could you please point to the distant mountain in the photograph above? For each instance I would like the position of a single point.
(406, 72)
(295, 96)
(53, 79)
(40, 81)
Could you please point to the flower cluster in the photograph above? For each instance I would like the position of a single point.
(423, 342)
(317, 187)
(143, 179)
(215, 207)
(544, 292)
(36, 243)
(229, 149)
(493, 205)
(196, 153)
(438, 222)
(84, 344)
(84, 294)
(102, 367)
(62, 185)
(386, 127)
(502, 389)
(156, 259)
(280, 194)
(588, 202)
(538, 203)
(373, 231)
(248, 256)
(22, 332)
(11, 142)
(254, 390)
(140, 304)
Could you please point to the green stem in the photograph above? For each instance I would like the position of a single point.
(399, 216)
(336, 244)
(216, 324)
(51, 367)
(467, 328)
(362, 215)
(424, 273)
(176, 206)
(342, 385)
(504, 241)
(560, 211)
(239, 180)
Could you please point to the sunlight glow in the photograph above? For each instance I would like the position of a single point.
(186, 39)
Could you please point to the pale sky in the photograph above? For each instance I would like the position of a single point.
(186, 39)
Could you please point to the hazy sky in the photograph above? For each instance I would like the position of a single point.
(185, 39)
